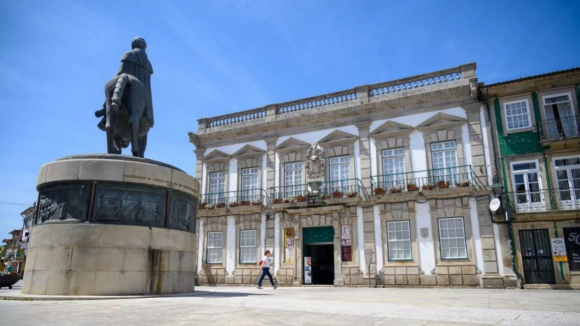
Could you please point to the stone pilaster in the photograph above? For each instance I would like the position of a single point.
(199, 152)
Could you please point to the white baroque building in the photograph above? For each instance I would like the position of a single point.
(407, 180)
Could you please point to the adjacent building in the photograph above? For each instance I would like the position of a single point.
(405, 181)
(535, 126)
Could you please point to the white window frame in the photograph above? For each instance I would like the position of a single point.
(249, 191)
(397, 179)
(449, 173)
(341, 184)
(248, 248)
(529, 205)
(212, 249)
(217, 196)
(293, 189)
(574, 132)
(574, 193)
(455, 238)
(529, 114)
(394, 242)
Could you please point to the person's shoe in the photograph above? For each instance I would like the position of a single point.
(275, 287)
(259, 287)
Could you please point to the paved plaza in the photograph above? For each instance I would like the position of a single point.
(306, 306)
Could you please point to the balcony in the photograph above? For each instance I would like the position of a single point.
(453, 177)
(231, 199)
(334, 191)
(559, 129)
(547, 200)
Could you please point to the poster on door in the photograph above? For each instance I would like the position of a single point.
(559, 250)
(572, 243)
(307, 270)
(289, 243)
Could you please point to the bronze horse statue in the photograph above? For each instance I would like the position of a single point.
(124, 111)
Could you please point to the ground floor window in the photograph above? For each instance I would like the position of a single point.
(452, 238)
(248, 246)
(399, 240)
(214, 248)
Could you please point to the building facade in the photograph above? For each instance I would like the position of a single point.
(537, 138)
(407, 181)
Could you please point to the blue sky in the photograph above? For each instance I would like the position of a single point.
(217, 57)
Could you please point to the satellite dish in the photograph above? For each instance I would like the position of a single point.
(494, 204)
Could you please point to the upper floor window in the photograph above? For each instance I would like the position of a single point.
(394, 168)
(217, 187)
(560, 118)
(517, 115)
(528, 196)
(250, 184)
(339, 173)
(444, 156)
(293, 180)
(568, 177)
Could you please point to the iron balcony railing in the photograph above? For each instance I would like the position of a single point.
(562, 128)
(452, 177)
(531, 201)
(246, 197)
(328, 190)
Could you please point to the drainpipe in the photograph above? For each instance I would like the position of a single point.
(508, 219)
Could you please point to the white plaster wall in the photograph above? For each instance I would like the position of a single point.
(315, 136)
(361, 241)
(486, 151)
(263, 233)
(466, 146)
(378, 238)
(264, 174)
(357, 171)
(478, 252)
(231, 245)
(200, 233)
(416, 119)
(202, 189)
(277, 170)
(418, 157)
(277, 256)
(426, 245)
(233, 175)
(372, 156)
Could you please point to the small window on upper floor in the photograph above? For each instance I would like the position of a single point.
(517, 115)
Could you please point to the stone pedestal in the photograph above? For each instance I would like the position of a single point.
(112, 225)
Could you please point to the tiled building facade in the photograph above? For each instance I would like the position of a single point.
(409, 169)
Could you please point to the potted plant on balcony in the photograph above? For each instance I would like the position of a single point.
(300, 198)
(337, 194)
(352, 194)
(326, 197)
(278, 201)
(234, 204)
(379, 191)
(245, 203)
(220, 205)
(202, 205)
(256, 202)
(412, 187)
(428, 186)
(463, 183)
(288, 200)
(442, 184)
(395, 190)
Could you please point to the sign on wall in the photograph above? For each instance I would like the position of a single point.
(559, 250)
(572, 243)
(307, 270)
(290, 245)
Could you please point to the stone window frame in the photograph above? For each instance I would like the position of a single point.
(339, 143)
(292, 157)
(385, 213)
(517, 98)
(462, 210)
(464, 237)
(250, 157)
(392, 135)
(410, 240)
(207, 247)
(215, 224)
(216, 161)
(245, 223)
(290, 151)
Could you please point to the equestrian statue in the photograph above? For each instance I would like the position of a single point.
(127, 114)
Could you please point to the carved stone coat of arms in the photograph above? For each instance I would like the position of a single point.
(315, 163)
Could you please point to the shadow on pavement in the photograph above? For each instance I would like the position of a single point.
(216, 294)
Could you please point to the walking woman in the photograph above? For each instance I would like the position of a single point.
(265, 266)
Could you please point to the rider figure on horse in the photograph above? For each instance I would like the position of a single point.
(136, 64)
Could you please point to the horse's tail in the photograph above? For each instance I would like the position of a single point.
(118, 92)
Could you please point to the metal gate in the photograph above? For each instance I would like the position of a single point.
(537, 256)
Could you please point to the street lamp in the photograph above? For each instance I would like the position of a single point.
(369, 258)
(497, 189)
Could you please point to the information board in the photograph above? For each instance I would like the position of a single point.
(572, 243)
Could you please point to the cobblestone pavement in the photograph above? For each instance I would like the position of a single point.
(309, 306)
